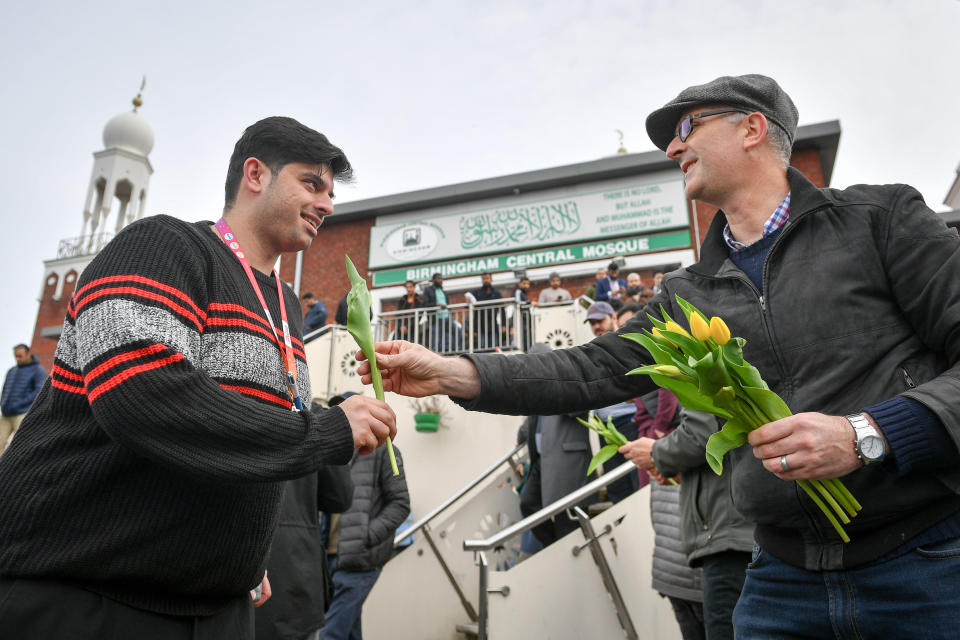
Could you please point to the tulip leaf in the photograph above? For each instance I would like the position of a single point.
(688, 344)
(689, 310)
(659, 324)
(733, 351)
(661, 354)
(602, 456)
(689, 395)
(732, 435)
(772, 405)
(666, 316)
(358, 324)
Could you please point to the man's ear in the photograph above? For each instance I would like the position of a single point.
(755, 130)
(256, 175)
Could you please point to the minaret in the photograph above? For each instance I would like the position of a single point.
(116, 197)
(120, 176)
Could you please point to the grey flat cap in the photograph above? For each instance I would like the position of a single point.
(753, 92)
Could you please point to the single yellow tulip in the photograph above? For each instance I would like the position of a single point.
(699, 327)
(719, 331)
(675, 328)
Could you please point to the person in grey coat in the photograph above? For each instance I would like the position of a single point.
(715, 536)
(364, 539)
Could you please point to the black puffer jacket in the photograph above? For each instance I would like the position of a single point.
(861, 302)
(380, 505)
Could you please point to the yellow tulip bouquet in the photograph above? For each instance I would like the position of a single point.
(705, 369)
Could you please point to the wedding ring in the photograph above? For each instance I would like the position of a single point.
(784, 467)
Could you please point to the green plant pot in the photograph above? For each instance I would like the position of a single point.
(427, 421)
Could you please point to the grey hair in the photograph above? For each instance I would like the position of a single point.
(778, 138)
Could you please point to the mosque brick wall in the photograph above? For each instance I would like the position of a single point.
(324, 273)
(51, 314)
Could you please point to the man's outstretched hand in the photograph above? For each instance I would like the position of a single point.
(413, 370)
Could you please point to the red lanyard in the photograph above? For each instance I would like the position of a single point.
(286, 354)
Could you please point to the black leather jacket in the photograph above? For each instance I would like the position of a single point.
(861, 302)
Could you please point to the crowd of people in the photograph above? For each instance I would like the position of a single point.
(153, 481)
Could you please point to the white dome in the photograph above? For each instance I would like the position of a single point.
(128, 131)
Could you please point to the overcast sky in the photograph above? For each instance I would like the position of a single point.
(438, 92)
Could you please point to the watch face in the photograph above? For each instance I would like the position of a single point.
(872, 447)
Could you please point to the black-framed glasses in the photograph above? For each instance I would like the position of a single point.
(685, 127)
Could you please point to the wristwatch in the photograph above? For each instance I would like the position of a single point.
(869, 444)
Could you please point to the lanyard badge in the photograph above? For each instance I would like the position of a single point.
(285, 345)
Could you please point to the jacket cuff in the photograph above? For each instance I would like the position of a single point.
(917, 437)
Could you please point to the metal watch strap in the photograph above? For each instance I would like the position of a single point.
(862, 429)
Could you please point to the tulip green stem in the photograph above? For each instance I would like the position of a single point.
(378, 390)
(826, 510)
(841, 489)
(816, 484)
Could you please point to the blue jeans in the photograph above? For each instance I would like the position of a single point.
(350, 589)
(916, 595)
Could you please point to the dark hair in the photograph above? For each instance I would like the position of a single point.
(307, 295)
(277, 141)
(613, 266)
(21, 346)
(616, 303)
(633, 306)
(409, 282)
(436, 274)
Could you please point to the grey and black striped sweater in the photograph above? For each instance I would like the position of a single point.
(150, 467)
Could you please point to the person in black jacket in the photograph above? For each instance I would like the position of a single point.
(297, 567)
(364, 539)
(869, 368)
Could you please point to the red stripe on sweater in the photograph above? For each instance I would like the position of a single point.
(123, 357)
(125, 375)
(63, 386)
(240, 322)
(147, 281)
(142, 293)
(236, 308)
(63, 373)
(257, 393)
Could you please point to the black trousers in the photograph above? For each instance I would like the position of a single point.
(723, 576)
(45, 609)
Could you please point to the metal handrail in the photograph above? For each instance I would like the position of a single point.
(419, 524)
(550, 510)
(316, 333)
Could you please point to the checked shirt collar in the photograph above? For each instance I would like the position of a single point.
(773, 223)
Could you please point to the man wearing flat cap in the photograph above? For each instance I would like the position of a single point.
(870, 366)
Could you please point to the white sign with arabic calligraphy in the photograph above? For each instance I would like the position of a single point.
(596, 210)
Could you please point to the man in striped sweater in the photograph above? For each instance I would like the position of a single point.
(141, 494)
